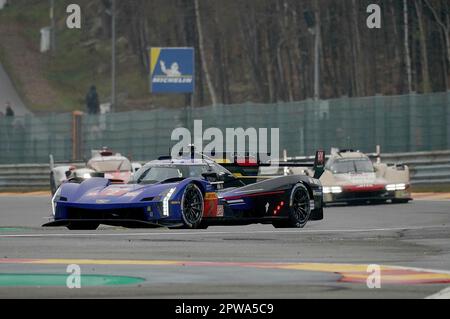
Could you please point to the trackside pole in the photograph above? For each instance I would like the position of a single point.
(76, 135)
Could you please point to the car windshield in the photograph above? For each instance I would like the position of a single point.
(351, 166)
(153, 174)
(110, 166)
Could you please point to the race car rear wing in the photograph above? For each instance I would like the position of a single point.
(250, 165)
(53, 164)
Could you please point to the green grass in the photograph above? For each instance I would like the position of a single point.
(76, 65)
(12, 75)
(32, 15)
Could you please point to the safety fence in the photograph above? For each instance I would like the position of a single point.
(407, 123)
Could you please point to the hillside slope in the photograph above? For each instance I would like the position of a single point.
(26, 65)
(58, 83)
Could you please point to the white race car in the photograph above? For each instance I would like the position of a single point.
(103, 163)
(351, 177)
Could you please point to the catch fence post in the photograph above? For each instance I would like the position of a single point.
(77, 135)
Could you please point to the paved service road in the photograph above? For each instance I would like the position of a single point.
(327, 259)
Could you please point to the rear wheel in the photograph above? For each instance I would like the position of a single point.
(192, 207)
(83, 226)
(299, 209)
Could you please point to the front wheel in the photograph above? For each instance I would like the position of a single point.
(299, 209)
(192, 207)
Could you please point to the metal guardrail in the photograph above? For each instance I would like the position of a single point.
(25, 177)
(427, 169)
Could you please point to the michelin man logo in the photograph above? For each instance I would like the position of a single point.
(174, 70)
(172, 75)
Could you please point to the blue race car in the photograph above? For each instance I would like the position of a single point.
(189, 193)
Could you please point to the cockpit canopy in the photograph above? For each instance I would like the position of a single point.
(161, 171)
(350, 165)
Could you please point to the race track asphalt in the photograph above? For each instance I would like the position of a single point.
(327, 259)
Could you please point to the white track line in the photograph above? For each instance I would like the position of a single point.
(206, 233)
(443, 294)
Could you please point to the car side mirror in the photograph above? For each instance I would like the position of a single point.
(319, 164)
(211, 176)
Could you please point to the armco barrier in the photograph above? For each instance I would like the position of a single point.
(427, 168)
(27, 177)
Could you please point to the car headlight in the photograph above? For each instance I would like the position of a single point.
(166, 200)
(336, 189)
(395, 187)
(332, 190)
(55, 199)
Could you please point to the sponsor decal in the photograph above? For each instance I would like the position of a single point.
(220, 211)
(114, 191)
(132, 194)
(172, 70)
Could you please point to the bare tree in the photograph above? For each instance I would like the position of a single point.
(203, 55)
(406, 44)
(263, 51)
(445, 28)
(426, 86)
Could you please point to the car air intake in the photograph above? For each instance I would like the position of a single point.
(110, 214)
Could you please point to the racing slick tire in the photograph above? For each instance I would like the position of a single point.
(299, 209)
(83, 226)
(192, 207)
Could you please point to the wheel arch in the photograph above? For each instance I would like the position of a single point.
(200, 186)
(308, 188)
